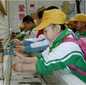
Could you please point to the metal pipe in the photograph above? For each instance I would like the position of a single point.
(7, 57)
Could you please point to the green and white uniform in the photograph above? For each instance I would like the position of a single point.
(59, 56)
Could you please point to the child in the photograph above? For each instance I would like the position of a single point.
(54, 62)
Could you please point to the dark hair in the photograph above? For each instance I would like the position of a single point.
(28, 19)
(42, 9)
(51, 7)
(40, 12)
(62, 26)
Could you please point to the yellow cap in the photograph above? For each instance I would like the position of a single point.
(54, 16)
(79, 17)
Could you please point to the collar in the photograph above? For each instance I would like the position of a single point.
(59, 39)
(80, 34)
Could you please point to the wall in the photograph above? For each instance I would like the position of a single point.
(17, 10)
(3, 22)
(14, 8)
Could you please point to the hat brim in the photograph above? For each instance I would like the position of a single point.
(42, 26)
(46, 23)
(78, 20)
(71, 21)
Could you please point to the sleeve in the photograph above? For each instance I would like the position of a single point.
(44, 69)
(59, 59)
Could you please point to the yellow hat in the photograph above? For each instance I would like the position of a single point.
(79, 17)
(54, 16)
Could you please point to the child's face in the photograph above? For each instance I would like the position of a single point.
(50, 33)
(28, 26)
(81, 26)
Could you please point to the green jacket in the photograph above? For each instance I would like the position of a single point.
(59, 56)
